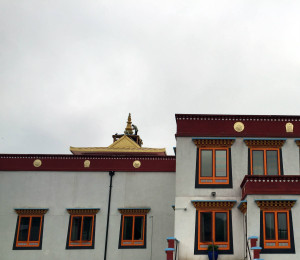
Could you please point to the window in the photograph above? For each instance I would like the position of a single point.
(213, 169)
(265, 161)
(276, 229)
(213, 226)
(29, 230)
(213, 166)
(133, 228)
(264, 156)
(81, 233)
(276, 226)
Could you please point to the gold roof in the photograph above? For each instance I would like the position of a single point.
(124, 145)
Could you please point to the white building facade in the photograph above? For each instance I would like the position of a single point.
(235, 183)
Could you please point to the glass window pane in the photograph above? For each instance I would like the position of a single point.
(87, 228)
(35, 229)
(138, 228)
(205, 226)
(272, 162)
(127, 228)
(282, 226)
(23, 230)
(270, 226)
(221, 163)
(76, 228)
(206, 163)
(221, 227)
(258, 162)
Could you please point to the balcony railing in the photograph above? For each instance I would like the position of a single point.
(273, 185)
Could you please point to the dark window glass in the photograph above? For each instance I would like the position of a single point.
(221, 227)
(76, 228)
(127, 228)
(205, 226)
(282, 226)
(87, 228)
(272, 162)
(258, 162)
(23, 229)
(206, 163)
(270, 226)
(35, 229)
(221, 163)
(138, 228)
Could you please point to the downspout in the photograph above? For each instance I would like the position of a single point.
(111, 174)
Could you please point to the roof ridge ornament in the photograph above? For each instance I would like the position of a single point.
(128, 129)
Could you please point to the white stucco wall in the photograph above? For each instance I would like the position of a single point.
(186, 191)
(60, 190)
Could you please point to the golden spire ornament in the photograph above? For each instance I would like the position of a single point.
(128, 129)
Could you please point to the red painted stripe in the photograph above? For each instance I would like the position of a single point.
(273, 185)
(222, 126)
(76, 163)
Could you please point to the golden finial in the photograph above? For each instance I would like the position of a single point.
(128, 129)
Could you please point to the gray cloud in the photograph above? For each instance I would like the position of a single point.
(71, 71)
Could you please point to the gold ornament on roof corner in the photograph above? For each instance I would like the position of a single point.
(137, 164)
(87, 163)
(289, 127)
(37, 163)
(239, 127)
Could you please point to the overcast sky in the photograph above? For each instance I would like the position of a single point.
(71, 71)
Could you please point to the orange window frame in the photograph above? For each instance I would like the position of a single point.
(133, 242)
(214, 179)
(29, 243)
(224, 245)
(277, 241)
(80, 242)
(265, 158)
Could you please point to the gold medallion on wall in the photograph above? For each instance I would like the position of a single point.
(239, 127)
(136, 164)
(37, 163)
(87, 163)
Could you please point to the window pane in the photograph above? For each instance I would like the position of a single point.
(221, 227)
(76, 228)
(87, 228)
(221, 163)
(205, 226)
(282, 226)
(206, 163)
(35, 229)
(23, 230)
(127, 228)
(270, 226)
(258, 162)
(272, 162)
(138, 228)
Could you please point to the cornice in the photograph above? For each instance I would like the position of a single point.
(26, 211)
(205, 142)
(243, 206)
(213, 204)
(276, 143)
(81, 211)
(125, 211)
(275, 204)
